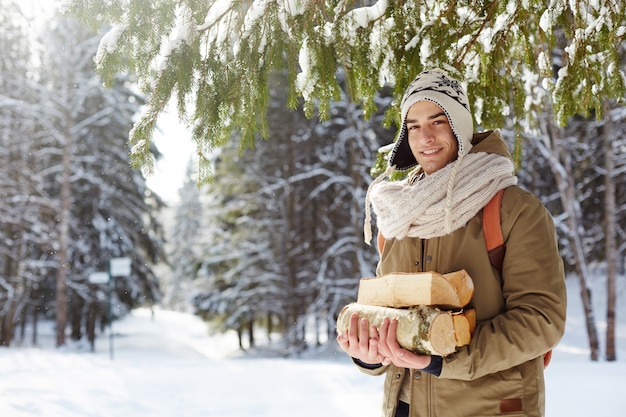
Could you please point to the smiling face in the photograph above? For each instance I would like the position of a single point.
(430, 136)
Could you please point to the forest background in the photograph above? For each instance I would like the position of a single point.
(292, 105)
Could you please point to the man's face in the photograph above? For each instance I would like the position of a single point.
(430, 136)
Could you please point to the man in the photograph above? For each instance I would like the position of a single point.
(432, 221)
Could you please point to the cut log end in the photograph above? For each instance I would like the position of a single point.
(442, 335)
(463, 285)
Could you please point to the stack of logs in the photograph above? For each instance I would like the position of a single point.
(431, 309)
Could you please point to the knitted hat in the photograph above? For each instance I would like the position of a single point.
(436, 86)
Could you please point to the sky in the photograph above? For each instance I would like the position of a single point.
(176, 146)
(168, 364)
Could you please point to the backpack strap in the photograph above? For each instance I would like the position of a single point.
(380, 243)
(493, 231)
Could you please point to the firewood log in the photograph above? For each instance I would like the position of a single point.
(421, 329)
(398, 290)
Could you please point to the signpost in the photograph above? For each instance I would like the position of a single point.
(118, 267)
(99, 277)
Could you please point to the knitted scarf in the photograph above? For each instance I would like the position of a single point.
(440, 203)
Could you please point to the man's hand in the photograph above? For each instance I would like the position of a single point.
(361, 342)
(390, 349)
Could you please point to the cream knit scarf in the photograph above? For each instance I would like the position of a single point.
(440, 203)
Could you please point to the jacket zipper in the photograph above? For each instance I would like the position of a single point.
(430, 396)
(423, 249)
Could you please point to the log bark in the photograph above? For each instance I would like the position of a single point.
(398, 290)
(421, 329)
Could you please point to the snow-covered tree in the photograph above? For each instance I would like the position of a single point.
(578, 172)
(104, 206)
(217, 56)
(185, 251)
(27, 215)
(614, 164)
(343, 151)
(284, 221)
(237, 271)
(70, 199)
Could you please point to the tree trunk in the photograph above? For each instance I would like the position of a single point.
(9, 325)
(35, 323)
(5, 341)
(23, 318)
(293, 301)
(556, 152)
(90, 325)
(610, 222)
(76, 314)
(250, 325)
(318, 330)
(64, 228)
(6, 319)
(269, 326)
(240, 336)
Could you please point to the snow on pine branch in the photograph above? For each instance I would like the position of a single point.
(184, 32)
(360, 18)
(502, 23)
(110, 42)
(305, 80)
(254, 13)
(215, 14)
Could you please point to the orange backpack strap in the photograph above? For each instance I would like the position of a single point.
(493, 231)
(547, 357)
(380, 240)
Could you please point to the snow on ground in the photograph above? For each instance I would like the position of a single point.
(167, 365)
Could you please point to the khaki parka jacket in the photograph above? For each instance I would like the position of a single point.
(520, 315)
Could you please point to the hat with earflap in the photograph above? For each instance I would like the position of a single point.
(446, 92)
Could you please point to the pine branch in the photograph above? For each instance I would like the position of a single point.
(502, 51)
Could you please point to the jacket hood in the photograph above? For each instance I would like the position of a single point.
(490, 142)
